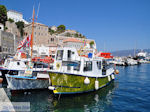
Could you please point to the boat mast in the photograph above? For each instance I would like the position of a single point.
(32, 35)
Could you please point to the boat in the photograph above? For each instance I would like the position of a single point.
(1, 80)
(30, 75)
(13, 66)
(28, 79)
(75, 74)
(117, 61)
(130, 62)
(141, 57)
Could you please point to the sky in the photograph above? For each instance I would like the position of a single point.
(113, 24)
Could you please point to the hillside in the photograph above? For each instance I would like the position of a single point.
(128, 52)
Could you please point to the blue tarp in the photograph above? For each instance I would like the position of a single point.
(22, 77)
(90, 55)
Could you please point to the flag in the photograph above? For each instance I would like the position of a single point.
(24, 43)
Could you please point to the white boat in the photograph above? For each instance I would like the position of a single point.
(130, 61)
(15, 70)
(37, 80)
(117, 61)
(13, 67)
(75, 74)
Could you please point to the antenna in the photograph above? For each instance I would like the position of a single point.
(38, 11)
(104, 47)
(135, 48)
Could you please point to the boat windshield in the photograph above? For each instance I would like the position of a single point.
(59, 55)
(99, 64)
(40, 65)
(87, 66)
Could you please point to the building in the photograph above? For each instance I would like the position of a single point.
(40, 51)
(54, 28)
(12, 28)
(73, 42)
(41, 35)
(16, 16)
(8, 43)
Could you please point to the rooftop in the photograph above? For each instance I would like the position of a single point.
(14, 11)
(72, 40)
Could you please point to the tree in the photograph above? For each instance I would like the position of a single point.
(61, 28)
(3, 14)
(76, 35)
(91, 44)
(10, 20)
(20, 26)
(68, 34)
(51, 31)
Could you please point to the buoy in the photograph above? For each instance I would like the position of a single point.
(109, 79)
(112, 76)
(51, 88)
(1, 80)
(0, 73)
(86, 80)
(116, 71)
(49, 81)
(96, 84)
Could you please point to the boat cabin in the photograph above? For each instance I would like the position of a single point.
(67, 60)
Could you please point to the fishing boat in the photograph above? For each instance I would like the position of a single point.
(75, 74)
(33, 76)
(27, 79)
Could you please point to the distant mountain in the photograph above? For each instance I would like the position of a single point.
(128, 52)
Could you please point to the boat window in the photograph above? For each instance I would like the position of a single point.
(104, 64)
(77, 66)
(69, 54)
(40, 65)
(25, 63)
(6, 63)
(68, 68)
(88, 66)
(45, 66)
(99, 64)
(18, 63)
(53, 56)
(59, 55)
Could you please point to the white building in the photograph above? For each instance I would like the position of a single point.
(54, 28)
(16, 16)
(73, 42)
(40, 51)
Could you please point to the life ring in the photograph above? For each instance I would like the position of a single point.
(58, 65)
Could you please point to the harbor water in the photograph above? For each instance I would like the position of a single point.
(130, 92)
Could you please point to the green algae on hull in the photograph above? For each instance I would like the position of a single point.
(70, 83)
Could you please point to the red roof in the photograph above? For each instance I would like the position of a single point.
(72, 40)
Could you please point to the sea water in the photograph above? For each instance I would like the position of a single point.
(129, 92)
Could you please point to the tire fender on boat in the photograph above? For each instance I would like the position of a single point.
(112, 76)
(96, 84)
(109, 79)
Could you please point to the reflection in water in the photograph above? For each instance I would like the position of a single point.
(44, 100)
(128, 93)
(93, 101)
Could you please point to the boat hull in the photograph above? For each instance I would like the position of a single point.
(71, 84)
(25, 84)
